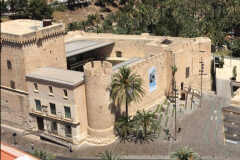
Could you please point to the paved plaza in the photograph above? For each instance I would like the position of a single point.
(202, 130)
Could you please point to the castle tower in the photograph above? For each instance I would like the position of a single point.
(100, 118)
(25, 46)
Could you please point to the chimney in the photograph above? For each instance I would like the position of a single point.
(47, 22)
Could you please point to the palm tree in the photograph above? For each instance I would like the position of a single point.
(185, 153)
(145, 120)
(126, 87)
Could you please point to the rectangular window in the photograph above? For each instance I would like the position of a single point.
(53, 108)
(67, 112)
(118, 54)
(50, 89)
(9, 64)
(36, 86)
(187, 72)
(38, 105)
(65, 93)
(54, 127)
(12, 85)
(68, 131)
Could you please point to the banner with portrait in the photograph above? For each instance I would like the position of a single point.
(152, 79)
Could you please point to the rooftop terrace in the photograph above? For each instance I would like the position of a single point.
(23, 30)
(22, 26)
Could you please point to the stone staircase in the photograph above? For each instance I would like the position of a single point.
(54, 139)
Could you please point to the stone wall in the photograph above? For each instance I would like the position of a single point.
(99, 111)
(27, 54)
(80, 101)
(189, 54)
(14, 108)
(187, 51)
(14, 54)
(162, 64)
(48, 52)
(129, 45)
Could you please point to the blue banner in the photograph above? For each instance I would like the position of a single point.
(152, 79)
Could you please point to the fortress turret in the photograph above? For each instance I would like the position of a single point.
(100, 118)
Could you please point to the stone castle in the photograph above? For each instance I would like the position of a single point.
(58, 84)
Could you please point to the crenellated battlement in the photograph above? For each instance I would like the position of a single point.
(28, 31)
(97, 68)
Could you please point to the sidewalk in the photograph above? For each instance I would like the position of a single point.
(21, 132)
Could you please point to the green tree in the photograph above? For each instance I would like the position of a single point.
(126, 87)
(235, 47)
(38, 9)
(3, 6)
(19, 7)
(71, 4)
(12, 5)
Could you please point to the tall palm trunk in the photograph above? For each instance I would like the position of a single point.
(127, 109)
(145, 129)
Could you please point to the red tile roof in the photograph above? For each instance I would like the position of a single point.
(11, 153)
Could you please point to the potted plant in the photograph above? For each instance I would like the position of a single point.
(234, 72)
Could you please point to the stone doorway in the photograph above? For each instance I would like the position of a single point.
(183, 96)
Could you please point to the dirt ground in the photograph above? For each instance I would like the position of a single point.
(80, 14)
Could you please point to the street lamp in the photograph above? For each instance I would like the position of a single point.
(175, 108)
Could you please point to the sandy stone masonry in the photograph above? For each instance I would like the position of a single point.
(187, 52)
(26, 46)
(100, 118)
(25, 31)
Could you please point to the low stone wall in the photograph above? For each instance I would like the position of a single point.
(14, 108)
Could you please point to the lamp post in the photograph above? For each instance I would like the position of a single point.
(175, 108)
(201, 74)
(174, 70)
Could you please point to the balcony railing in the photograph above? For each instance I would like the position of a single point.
(58, 117)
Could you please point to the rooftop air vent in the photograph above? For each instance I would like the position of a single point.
(47, 22)
(166, 41)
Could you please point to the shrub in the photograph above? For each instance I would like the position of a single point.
(145, 126)
(61, 7)
(185, 153)
(43, 155)
(108, 155)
